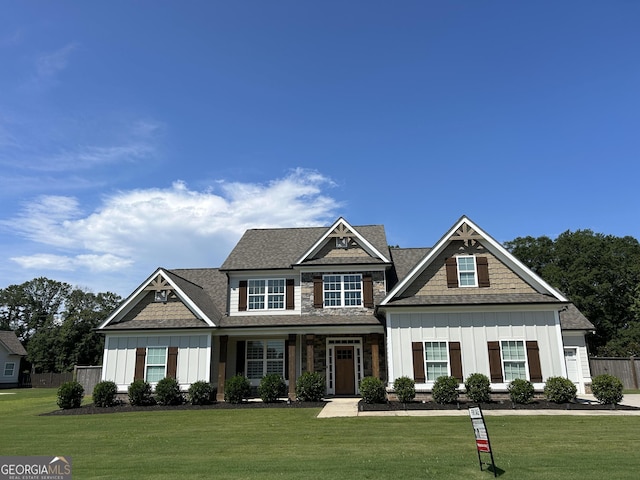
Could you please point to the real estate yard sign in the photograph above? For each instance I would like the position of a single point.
(483, 445)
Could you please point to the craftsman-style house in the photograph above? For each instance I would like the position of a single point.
(337, 300)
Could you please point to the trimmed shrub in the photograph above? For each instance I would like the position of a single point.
(140, 393)
(237, 389)
(201, 393)
(272, 387)
(372, 390)
(478, 388)
(607, 389)
(310, 387)
(70, 395)
(104, 394)
(521, 391)
(405, 389)
(445, 390)
(168, 392)
(559, 390)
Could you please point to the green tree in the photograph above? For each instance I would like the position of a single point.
(56, 323)
(599, 273)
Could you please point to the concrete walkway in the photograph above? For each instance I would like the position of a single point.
(348, 407)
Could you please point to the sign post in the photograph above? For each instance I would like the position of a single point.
(483, 445)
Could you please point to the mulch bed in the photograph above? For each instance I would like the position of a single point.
(125, 407)
(494, 405)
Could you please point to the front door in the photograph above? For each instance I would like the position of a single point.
(571, 359)
(345, 370)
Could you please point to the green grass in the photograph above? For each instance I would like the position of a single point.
(293, 444)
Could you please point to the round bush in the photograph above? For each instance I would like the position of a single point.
(521, 391)
(478, 388)
(405, 389)
(272, 387)
(70, 395)
(310, 387)
(104, 394)
(140, 393)
(607, 389)
(237, 389)
(372, 390)
(168, 392)
(201, 393)
(560, 390)
(445, 390)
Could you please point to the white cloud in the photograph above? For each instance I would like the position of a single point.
(173, 227)
(49, 64)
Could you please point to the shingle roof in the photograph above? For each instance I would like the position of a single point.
(298, 320)
(207, 287)
(158, 323)
(470, 299)
(404, 259)
(572, 319)
(11, 343)
(262, 249)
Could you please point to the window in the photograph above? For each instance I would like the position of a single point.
(269, 294)
(437, 360)
(9, 369)
(264, 357)
(467, 271)
(513, 359)
(342, 290)
(156, 364)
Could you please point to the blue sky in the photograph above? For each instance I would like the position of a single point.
(142, 134)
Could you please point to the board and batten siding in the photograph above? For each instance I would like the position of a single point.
(194, 357)
(473, 330)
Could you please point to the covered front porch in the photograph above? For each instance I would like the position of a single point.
(343, 357)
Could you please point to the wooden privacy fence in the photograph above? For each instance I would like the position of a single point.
(88, 377)
(627, 369)
(48, 380)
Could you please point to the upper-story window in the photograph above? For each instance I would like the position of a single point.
(266, 294)
(467, 271)
(342, 290)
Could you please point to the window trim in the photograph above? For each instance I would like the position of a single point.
(427, 361)
(13, 369)
(266, 293)
(147, 364)
(264, 360)
(342, 290)
(460, 271)
(525, 361)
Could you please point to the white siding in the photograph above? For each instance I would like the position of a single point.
(194, 354)
(5, 358)
(577, 340)
(473, 330)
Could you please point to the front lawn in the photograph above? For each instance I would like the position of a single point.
(292, 443)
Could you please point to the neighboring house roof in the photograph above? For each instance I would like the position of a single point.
(572, 319)
(10, 341)
(278, 248)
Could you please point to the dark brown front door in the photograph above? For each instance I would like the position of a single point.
(345, 371)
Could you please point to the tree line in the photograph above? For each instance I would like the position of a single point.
(55, 322)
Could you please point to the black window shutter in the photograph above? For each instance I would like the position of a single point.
(318, 296)
(242, 296)
(452, 272)
(495, 362)
(240, 349)
(533, 357)
(290, 294)
(418, 362)
(367, 291)
(455, 356)
(483, 272)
